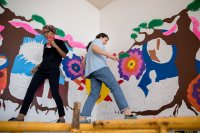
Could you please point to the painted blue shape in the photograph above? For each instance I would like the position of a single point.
(22, 66)
(145, 81)
(163, 71)
(38, 39)
(62, 79)
(5, 64)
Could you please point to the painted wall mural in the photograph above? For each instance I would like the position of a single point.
(185, 44)
(27, 46)
(181, 42)
(16, 61)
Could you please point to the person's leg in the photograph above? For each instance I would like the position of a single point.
(107, 77)
(92, 98)
(37, 79)
(54, 86)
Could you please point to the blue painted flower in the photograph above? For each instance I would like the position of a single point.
(72, 67)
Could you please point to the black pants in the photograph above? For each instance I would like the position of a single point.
(37, 79)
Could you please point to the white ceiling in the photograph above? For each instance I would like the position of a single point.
(99, 3)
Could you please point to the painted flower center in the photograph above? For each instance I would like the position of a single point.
(76, 67)
(131, 64)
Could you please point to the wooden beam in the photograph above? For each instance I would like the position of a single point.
(123, 131)
(163, 129)
(33, 127)
(149, 123)
(140, 125)
(75, 119)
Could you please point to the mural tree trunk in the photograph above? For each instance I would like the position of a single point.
(12, 39)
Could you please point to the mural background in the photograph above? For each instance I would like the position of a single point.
(157, 41)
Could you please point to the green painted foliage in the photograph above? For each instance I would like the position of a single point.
(133, 36)
(155, 23)
(143, 25)
(60, 32)
(194, 6)
(137, 29)
(39, 19)
(3, 2)
(124, 55)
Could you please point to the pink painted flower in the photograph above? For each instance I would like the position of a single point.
(133, 65)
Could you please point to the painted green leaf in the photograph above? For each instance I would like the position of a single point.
(194, 6)
(60, 32)
(143, 25)
(124, 55)
(39, 19)
(155, 23)
(3, 2)
(133, 36)
(137, 29)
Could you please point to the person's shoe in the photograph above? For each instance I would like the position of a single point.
(85, 121)
(61, 121)
(15, 119)
(130, 117)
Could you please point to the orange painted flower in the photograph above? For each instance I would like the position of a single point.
(132, 65)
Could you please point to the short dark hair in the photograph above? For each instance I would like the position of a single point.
(102, 35)
(50, 28)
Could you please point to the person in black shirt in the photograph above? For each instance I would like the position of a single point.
(54, 51)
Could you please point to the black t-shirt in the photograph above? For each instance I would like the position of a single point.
(51, 59)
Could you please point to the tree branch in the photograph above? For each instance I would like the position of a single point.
(170, 20)
(156, 34)
(147, 38)
(23, 18)
(143, 33)
(2, 6)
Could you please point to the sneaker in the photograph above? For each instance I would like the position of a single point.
(130, 117)
(85, 121)
(61, 121)
(15, 119)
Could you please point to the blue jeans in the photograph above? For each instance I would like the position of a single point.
(103, 75)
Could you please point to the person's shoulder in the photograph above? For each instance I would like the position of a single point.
(62, 45)
(59, 41)
(97, 42)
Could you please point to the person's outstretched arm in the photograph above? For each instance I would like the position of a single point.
(98, 50)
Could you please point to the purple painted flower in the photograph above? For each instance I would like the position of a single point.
(133, 65)
(72, 67)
